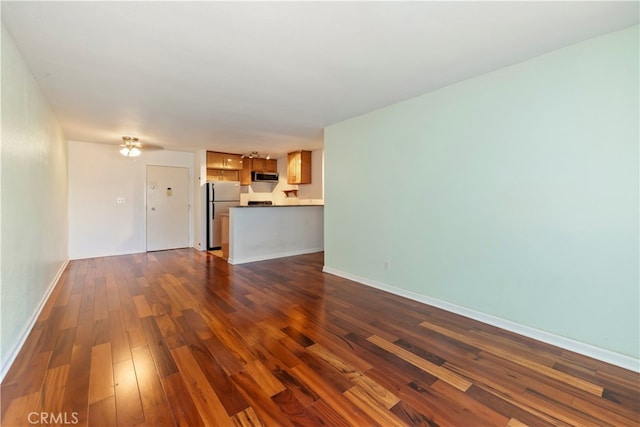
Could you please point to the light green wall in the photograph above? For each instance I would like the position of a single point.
(34, 199)
(514, 193)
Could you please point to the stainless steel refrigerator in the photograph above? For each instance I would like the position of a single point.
(221, 195)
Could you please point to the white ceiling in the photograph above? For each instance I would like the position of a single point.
(266, 76)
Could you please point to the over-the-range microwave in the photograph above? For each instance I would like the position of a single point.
(264, 176)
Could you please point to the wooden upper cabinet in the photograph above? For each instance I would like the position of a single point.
(258, 164)
(271, 165)
(264, 165)
(299, 167)
(222, 175)
(234, 161)
(245, 173)
(216, 160)
(233, 167)
(224, 166)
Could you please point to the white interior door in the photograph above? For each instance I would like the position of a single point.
(167, 207)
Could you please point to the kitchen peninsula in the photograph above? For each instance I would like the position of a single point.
(258, 233)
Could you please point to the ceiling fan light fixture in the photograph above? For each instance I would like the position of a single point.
(130, 151)
(256, 155)
(129, 148)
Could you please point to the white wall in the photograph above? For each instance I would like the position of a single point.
(513, 194)
(98, 175)
(259, 233)
(33, 201)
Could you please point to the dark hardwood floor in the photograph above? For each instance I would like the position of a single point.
(182, 338)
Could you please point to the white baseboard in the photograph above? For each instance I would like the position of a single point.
(32, 321)
(76, 257)
(589, 350)
(236, 261)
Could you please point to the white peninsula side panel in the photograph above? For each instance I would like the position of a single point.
(259, 233)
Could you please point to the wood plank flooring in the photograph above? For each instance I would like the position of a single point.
(182, 338)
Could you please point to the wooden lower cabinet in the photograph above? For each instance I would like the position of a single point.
(224, 235)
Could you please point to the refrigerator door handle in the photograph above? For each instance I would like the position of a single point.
(213, 200)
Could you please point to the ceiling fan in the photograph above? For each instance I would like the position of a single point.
(132, 147)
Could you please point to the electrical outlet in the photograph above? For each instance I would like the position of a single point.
(386, 264)
(120, 200)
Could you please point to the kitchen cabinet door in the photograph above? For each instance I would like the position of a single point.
(216, 160)
(222, 175)
(245, 173)
(299, 167)
(265, 165)
(258, 165)
(234, 161)
(271, 165)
